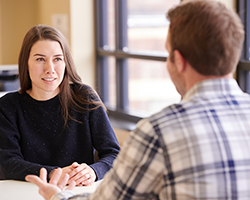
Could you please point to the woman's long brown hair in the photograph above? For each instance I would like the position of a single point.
(69, 98)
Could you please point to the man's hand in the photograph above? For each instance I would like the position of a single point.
(55, 185)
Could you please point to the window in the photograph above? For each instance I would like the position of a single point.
(132, 78)
(243, 69)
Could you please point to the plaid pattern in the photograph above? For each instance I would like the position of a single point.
(197, 149)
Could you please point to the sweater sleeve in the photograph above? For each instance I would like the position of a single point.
(104, 141)
(12, 162)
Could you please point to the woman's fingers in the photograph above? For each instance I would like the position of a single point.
(82, 174)
(77, 170)
(87, 182)
(83, 178)
(74, 165)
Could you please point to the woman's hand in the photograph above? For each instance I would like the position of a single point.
(69, 169)
(82, 174)
(55, 185)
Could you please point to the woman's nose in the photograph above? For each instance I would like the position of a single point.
(49, 69)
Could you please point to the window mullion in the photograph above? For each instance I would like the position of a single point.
(121, 64)
(101, 21)
(241, 4)
(242, 71)
(247, 27)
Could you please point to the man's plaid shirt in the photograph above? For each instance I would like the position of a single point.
(197, 149)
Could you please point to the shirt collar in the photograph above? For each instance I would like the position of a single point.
(213, 87)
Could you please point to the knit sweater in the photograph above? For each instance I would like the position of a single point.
(32, 136)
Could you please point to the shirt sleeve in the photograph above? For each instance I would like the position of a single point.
(67, 194)
(138, 169)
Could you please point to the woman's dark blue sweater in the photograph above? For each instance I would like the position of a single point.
(32, 136)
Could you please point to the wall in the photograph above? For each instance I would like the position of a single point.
(229, 3)
(83, 39)
(16, 18)
(49, 9)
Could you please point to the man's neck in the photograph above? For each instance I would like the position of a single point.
(192, 77)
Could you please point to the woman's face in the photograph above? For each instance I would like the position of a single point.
(46, 68)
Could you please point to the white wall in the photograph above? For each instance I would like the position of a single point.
(83, 39)
(231, 4)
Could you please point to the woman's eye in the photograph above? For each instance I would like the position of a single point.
(40, 59)
(58, 59)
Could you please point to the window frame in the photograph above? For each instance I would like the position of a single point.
(121, 116)
(243, 68)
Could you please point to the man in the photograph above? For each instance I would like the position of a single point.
(199, 148)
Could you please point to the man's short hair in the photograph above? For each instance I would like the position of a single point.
(208, 35)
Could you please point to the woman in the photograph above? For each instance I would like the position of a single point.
(54, 120)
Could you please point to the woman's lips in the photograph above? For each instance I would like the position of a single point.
(49, 79)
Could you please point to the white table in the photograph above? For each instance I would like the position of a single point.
(21, 190)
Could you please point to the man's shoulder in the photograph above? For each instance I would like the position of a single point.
(169, 112)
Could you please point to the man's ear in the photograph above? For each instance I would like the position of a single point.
(180, 61)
